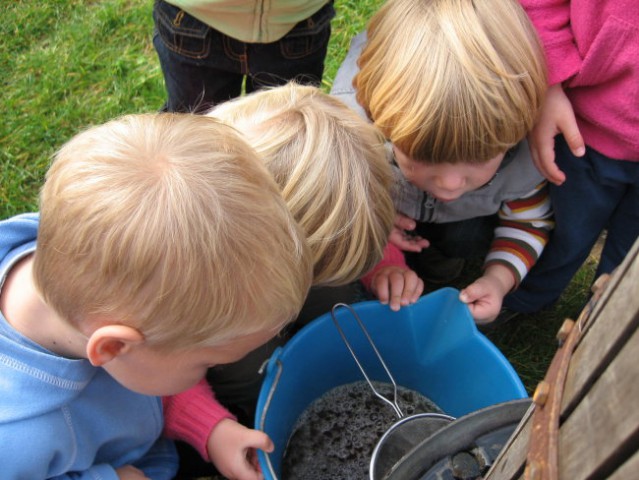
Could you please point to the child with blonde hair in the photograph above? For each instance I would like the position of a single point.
(162, 247)
(455, 86)
(333, 173)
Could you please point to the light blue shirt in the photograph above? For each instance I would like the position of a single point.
(63, 418)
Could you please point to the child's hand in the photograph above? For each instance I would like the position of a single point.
(231, 447)
(129, 472)
(397, 286)
(556, 116)
(403, 240)
(485, 295)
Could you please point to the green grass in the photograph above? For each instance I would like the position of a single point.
(68, 64)
(529, 342)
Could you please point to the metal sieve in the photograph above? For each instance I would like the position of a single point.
(409, 430)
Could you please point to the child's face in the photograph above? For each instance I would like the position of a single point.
(447, 181)
(146, 370)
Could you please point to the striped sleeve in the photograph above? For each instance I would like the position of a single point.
(522, 233)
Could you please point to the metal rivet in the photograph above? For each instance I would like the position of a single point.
(565, 330)
(541, 393)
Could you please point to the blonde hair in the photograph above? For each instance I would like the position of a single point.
(169, 223)
(332, 169)
(452, 80)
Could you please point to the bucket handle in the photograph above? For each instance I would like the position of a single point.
(267, 404)
(393, 403)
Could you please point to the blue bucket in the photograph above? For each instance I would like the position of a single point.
(432, 347)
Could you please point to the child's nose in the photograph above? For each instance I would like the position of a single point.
(450, 183)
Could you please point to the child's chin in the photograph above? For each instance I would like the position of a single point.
(446, 199)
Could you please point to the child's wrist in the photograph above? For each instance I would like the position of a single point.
(502, 277)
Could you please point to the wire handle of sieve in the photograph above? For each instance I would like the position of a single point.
(394, 403)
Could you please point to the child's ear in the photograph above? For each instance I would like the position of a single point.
(110, 341)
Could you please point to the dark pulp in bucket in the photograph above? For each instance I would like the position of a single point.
(335, 436)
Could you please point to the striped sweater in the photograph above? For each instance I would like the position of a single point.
(522, 233)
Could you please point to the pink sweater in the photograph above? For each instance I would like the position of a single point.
(191, 416)
(592, 47)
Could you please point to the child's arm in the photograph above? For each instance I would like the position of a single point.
(522, 233)
(232, 448)
(192, 415)
(195, 417)
(551, 18)
(392, 282)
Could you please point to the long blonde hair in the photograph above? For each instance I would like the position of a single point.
(332, 169)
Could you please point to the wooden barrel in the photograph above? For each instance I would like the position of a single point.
(584, 422)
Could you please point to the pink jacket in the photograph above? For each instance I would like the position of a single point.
(592, 46)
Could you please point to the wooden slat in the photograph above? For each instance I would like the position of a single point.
(624, 267)
(628, 470)
(614, 319)
(509, 465)
(604, 420)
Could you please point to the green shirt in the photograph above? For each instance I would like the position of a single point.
(257, 21)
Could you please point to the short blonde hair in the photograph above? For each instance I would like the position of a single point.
(332, 169)
(452, 80)
(169, 223)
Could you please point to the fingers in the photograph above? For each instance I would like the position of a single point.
(406, 242)
(556, 116)
(381, 288)
(483, 301)
(420, 242)
(413, 288)
(262, 441)
(250, 468)
(404, 223)
(470, 294)
(542, 149)
(254, 460)
(553, 174)
(235, 456)
(544, 160)
(567, 125)
(398, 287)
(246, 472)
(572, 135)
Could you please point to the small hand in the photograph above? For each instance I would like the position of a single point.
(129, 472)
(397, 286)
(232, 448)
(556, 116)
(485, 295)
(400, 237)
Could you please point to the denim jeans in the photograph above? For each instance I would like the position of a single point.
(599, 194)
(203, 67)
